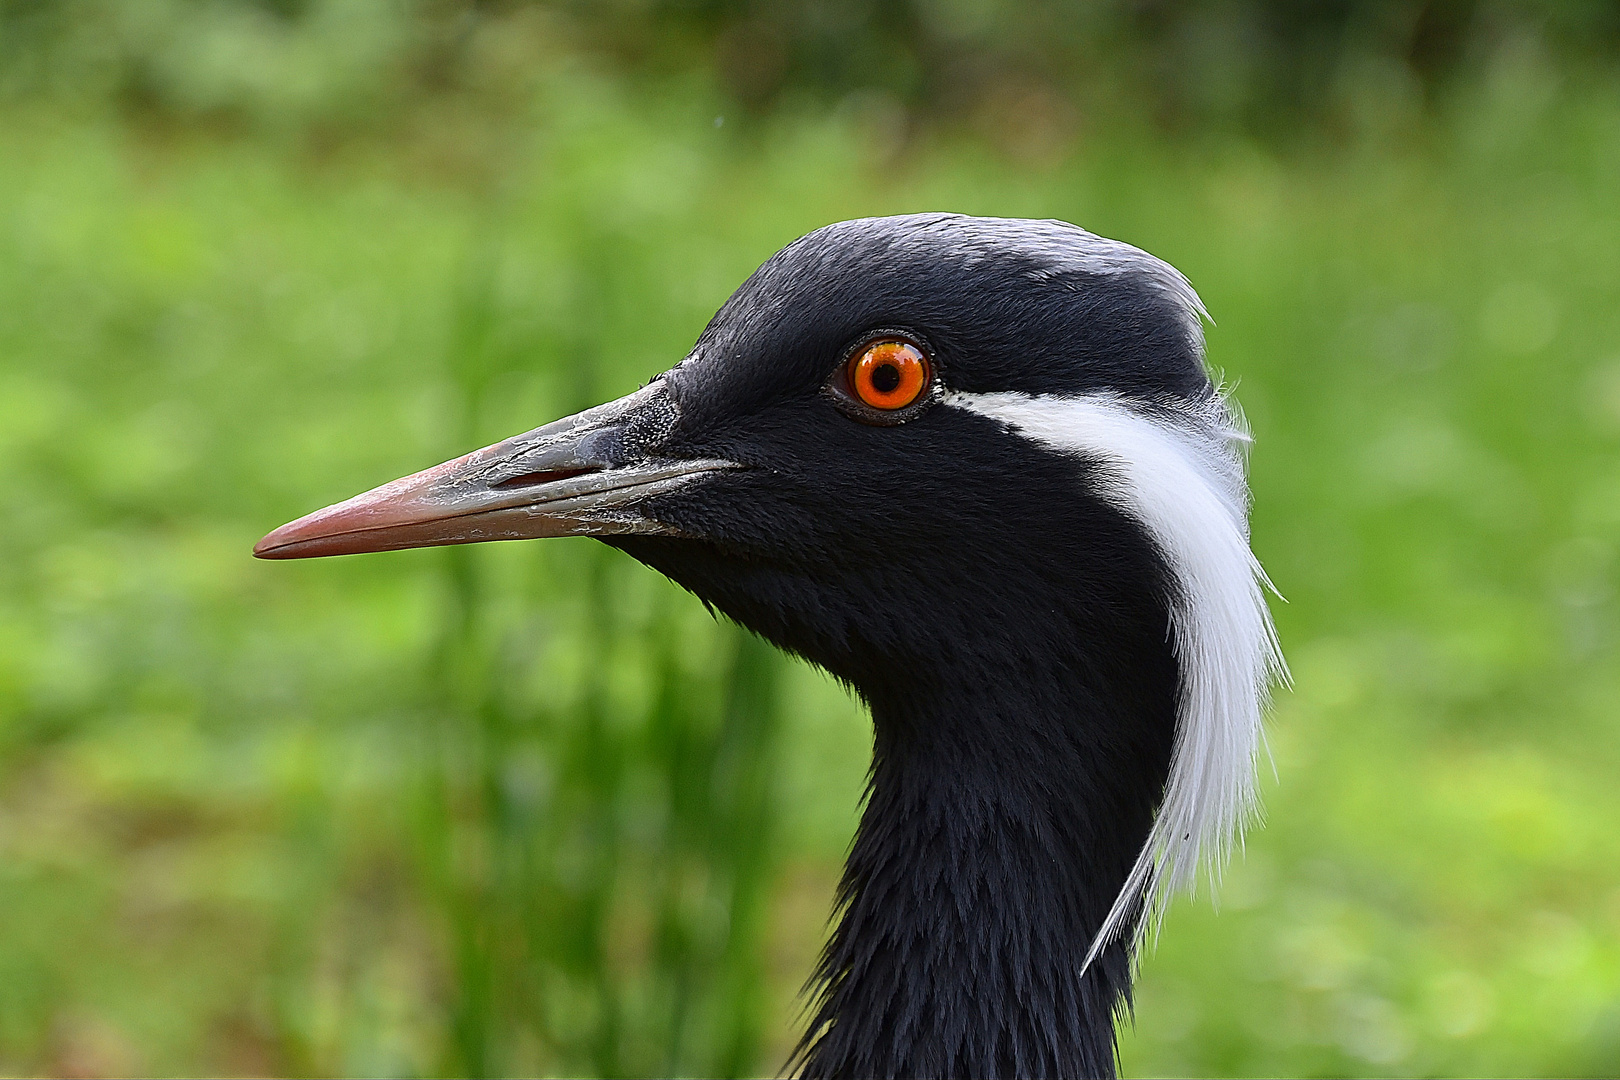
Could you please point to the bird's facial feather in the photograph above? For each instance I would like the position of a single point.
(837, 530)
(881, 543)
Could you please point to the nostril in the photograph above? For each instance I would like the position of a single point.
(534, 479)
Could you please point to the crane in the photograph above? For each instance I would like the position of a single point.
(974, 468)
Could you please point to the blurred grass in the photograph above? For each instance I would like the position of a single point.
(527, 809)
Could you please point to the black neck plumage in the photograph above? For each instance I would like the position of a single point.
(1004, 814)
(1015, 649)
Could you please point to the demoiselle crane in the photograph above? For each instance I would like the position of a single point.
(974, 468)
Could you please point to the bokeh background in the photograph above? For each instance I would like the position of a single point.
(526, 809)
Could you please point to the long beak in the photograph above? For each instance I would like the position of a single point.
(573, 477)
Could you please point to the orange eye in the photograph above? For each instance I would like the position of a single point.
(888, 374)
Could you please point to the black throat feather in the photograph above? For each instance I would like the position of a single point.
(1024, 703)
(999, 828)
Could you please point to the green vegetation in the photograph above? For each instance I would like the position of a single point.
(526, 808)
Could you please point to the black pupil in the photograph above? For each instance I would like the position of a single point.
(886, 379)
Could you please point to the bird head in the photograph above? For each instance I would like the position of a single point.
(925, 452)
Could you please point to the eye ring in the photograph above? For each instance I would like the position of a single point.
(844, 390)
(888, 374)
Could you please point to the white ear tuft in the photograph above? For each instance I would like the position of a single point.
(1178, 469)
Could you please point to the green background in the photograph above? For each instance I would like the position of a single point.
(526, 808)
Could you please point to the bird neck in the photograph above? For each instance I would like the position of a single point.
(1000, 826)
